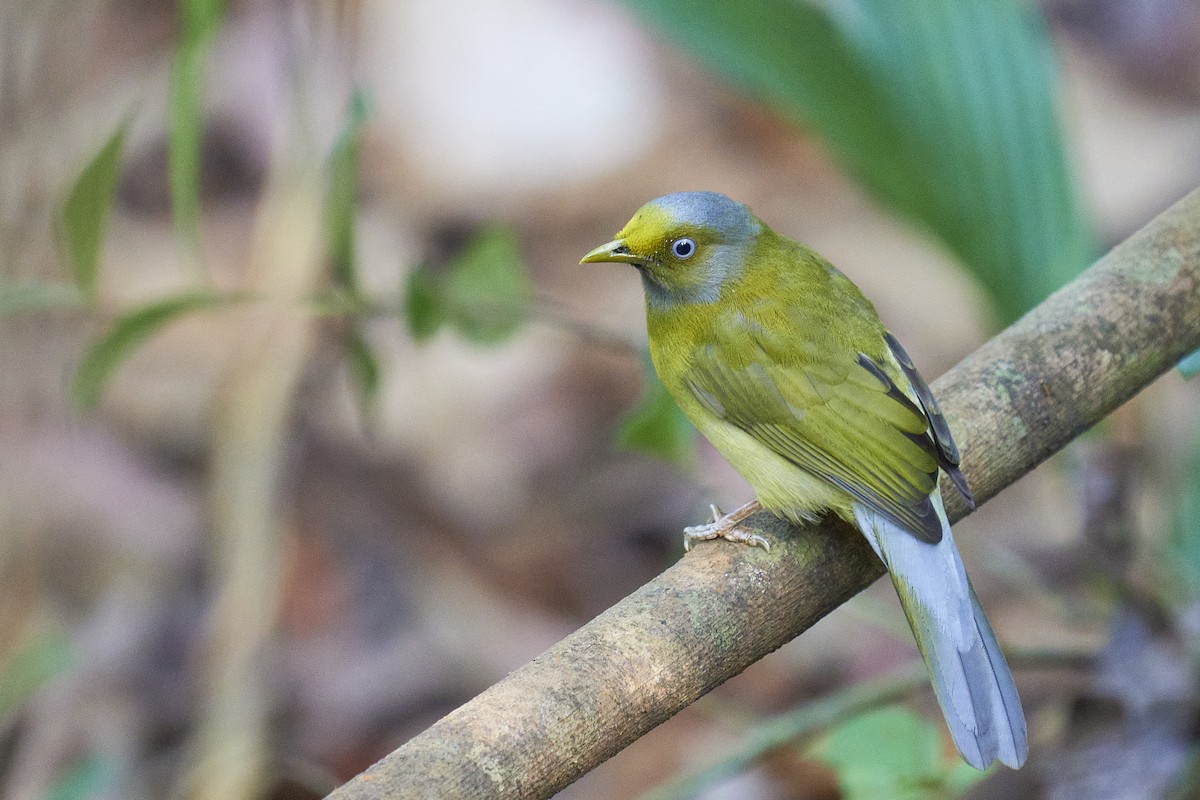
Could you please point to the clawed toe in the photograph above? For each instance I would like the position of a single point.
(745, 537)
(724, 526)
(701, 533)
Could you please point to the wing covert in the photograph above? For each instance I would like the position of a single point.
(845, 422)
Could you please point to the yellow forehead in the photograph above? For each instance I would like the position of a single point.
(648, 229)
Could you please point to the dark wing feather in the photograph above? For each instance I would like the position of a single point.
(948, 458)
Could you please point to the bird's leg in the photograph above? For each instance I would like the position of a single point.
(725, 526)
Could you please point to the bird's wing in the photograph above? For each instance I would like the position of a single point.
(948, 457)
(836, 415)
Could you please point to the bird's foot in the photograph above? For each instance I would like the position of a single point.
(725, 526)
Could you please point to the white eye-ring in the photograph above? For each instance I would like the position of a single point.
(683, 248)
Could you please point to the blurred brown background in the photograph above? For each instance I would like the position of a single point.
(226, 582)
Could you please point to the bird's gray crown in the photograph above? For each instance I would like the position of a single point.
(710, 209)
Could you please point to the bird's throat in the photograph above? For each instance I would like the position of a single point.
(658, 296)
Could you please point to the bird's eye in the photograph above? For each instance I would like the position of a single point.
(683, 248)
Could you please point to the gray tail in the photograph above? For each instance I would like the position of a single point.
(969, 674)
(975, 690)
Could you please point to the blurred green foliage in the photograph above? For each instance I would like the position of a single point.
(129, 331)
(88, 204)
(894, 754)
(341, 219)
(483, 292)
(487, 287)
(656, 425)
(31, 297)
(341, 205)
(85, 212)
(794, 727)
(25, 671)
(91, 777)
(424, 308)
(198, 23)
(365, 370)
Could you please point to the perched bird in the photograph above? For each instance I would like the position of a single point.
(783, 364)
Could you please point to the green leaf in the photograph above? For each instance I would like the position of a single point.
(341, 203)
(424, 306)
(365, 370)
(186, 123)
(944, 109)
(772, 733)
(26, 298)
(1190, 366)
(90, 778)
(483, 291)
(487, 289)
(890, 740)
(38, 662)
(129, 331)
(960, 777)
(890, 753)
(199, 21)
(657, 426)
(86, 209)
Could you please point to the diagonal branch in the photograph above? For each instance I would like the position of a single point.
(1018, 399)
